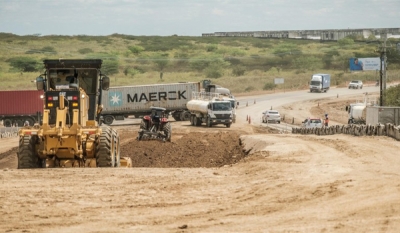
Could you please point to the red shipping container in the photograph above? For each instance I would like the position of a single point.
(21, 102)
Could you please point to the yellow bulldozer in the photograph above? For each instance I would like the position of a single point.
(70, 133)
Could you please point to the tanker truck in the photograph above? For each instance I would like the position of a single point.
(223, 92)
(357, 113)
(211, 109)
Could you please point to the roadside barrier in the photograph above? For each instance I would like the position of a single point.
(388, 130)
(9, 132)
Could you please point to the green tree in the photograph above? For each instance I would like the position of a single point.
(110, 67)
(392, 96)
(24, 64)
(161, 61)
(345, 41)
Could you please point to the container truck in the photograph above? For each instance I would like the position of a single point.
(121, 102)
(320, 82)
(211, 109)
(18, 106)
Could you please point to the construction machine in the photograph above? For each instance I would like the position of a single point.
(70, 133)
(155, 126)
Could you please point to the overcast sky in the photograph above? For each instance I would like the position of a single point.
(191, 17)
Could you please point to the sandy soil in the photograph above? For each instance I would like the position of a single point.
(242, 179)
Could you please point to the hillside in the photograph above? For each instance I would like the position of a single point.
(228, 61)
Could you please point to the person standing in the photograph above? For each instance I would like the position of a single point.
(326, 122)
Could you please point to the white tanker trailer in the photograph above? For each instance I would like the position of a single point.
(209, 108)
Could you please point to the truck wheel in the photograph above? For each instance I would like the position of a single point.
(228, 125)
(209, 122)
(167, 131)
(27, 157)
(19, 123)
(185, 116)
(108, 119)
(192, 120)
(7, 123)
(198, 121)
(104, 149)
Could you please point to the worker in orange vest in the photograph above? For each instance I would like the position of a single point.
(326, 122)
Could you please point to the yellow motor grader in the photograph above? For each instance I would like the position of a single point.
(70, 133)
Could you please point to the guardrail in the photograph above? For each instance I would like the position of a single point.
(388, 130)
(8, 132)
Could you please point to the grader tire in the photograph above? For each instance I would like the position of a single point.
(27, 157)
(167, 131)
(104, 149)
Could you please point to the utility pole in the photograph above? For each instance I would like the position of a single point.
(383, 67)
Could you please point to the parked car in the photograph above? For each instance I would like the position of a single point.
(356, 84)
(271, 116)
(312, 123)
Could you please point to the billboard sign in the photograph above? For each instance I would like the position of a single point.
(279, 80)
(369, 63)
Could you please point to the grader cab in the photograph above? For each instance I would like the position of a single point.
(70, 133)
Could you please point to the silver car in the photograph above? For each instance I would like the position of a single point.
(271, 116)
(356, 84)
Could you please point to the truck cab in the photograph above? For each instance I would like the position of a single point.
(320, 82)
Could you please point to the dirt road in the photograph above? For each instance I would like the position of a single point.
(239, 179)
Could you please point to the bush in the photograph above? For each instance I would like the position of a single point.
(24, 64)
(136, 49)
(249, 88)
(199, 64)
(212, 48)
(238, 70)
(269, 86)
(132, 71)
(214, 71)
(85, 51)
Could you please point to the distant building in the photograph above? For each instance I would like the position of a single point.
(326, 34)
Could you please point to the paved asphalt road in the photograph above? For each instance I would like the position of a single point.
(265, 102)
